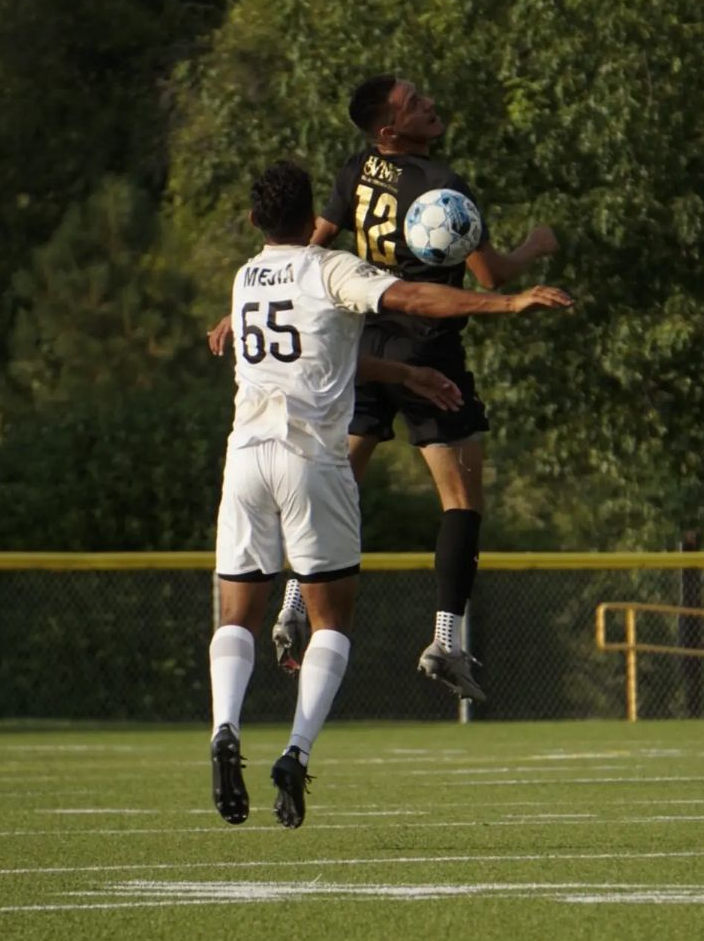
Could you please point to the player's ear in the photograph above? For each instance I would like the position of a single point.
(252, 218)
(386, 133)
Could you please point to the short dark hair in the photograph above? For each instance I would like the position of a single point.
(369, 105)
(282, 200)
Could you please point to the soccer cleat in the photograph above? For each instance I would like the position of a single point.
(290, 777)
(229, 793)
(290, 636)
(452, 669)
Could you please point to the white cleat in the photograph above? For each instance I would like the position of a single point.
(452, 669)
(290, 637)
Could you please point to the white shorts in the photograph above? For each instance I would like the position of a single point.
(276, 504)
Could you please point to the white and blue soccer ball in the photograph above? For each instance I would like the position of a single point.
(442, 227)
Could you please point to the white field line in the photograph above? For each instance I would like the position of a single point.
(68, 811)
(522, 782)
(374, 810)
(150, 893)
(364, 861)
(435, 824)
(324, 813)
(97, 747)
(370, 810)
(543, 756)
(662, 818)
(391, 756)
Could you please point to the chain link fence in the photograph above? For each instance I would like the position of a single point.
(126, 638)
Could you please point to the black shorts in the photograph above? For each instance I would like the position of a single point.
(376, 403)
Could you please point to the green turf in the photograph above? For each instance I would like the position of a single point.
(489, 831)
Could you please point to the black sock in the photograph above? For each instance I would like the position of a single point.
(456, 559)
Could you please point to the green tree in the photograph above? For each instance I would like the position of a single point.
(602, 410)
(126, 468)
(100, 303)
(82, 94)
(584, 114)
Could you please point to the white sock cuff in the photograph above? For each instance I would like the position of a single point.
(331, 639)
(231, 640)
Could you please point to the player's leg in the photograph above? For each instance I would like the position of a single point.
(450, 444)
(290, 632)
(457, 473)
(330, 606)
(242, 608)
(248, 552)
(372, 423)
(361, 450)
(322, 539)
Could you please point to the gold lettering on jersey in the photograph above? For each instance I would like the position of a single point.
(378, 170)
(372, 242)
(364, 196)
(268, 276)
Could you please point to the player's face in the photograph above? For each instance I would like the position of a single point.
(414, 114)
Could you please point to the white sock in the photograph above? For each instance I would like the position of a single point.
(448, 628)
(231, 665)
(293, 598)
(322, 669)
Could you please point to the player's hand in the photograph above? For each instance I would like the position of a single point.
(433, 385)
(540, 296)
(543, 240)
(220, 336)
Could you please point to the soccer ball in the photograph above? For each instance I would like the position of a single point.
(442, 227)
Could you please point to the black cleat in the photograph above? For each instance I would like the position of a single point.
(229, 793)
(290, 777)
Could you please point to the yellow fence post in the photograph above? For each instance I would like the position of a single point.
(631, 666)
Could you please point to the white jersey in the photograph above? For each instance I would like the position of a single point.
(297, 316)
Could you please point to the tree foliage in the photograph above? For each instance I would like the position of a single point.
(581, 113)
(130, 469)
(100, 304)
(83, 93)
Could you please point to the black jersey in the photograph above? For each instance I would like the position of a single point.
(371, 196)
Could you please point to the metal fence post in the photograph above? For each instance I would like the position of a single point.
(690, 629)
(465, 706)
(216, 602)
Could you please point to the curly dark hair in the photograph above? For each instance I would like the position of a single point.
(369, 105)
(282, 200)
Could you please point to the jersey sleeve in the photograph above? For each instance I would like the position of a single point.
(353, 283)
(339, 208)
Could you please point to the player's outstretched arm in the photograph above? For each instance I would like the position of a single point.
(324, 233)
(424, 381)
(492, 268)
(436, 300)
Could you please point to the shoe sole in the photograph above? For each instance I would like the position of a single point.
(284, 657)
(229, 792)
(287, 652)
(289, 806)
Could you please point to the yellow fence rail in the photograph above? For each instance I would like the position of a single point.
(371, 561)
(630, 646)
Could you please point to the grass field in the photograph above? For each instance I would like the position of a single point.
(489, 831)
